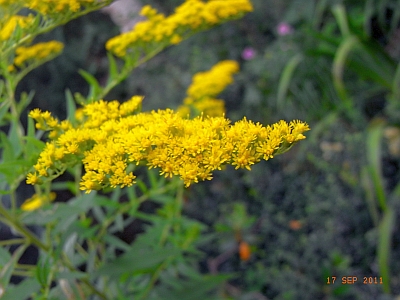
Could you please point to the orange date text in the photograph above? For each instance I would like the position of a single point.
(355, 279)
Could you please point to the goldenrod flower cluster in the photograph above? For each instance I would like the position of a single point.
(189, 148)
(17, 30)
(68, 143)
(57, 6)
(45, 7)
(37, 52)
(37, 201)
(191, 16)
(9, 20)
(205, 87)
(8, 25)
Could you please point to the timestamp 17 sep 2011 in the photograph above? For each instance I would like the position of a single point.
(354, 279)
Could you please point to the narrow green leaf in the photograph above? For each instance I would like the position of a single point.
(162, 198)
(131, 192)
(12, 170)
(116, 242)
(385, 236)
(71, 275)
(139, 259)
(31, 127)
(14, 137)
(152, 178)
(367, 184)
(286, 78)
(339, 11)
(3, 109)
(95, 88)
(348, 45)
(142, 186)
(113, 68)
(7, 269)
(71, 106)
(99, 214)
(24, 101)
(8, 153)
(69, 245)
(372, 62)
(23, 290)
(116, 194)
(118, 223)
(33, 146)
(84, 202)
(374, 156)
(60, 212)
(5, 257)
(43, 268)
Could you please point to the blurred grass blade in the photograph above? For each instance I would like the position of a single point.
(370, 195)
(374, 155)
(385, 232)
(339, 12)
(16, 131)
(346, 47)
(95, 88)
(286, 78)
(320, 8)
(113, 68)
(24, 101)
(7, 270)
(368, 14)
(71, 106)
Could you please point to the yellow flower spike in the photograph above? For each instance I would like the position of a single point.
(46, 7)
(214, 81)
(189, 148)
(189, 17)
(36, 52)
(205, 87)
(11, 24)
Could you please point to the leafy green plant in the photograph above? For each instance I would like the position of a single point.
(80, 252)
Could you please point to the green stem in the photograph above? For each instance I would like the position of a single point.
(386, 229)
(21, 273)
(31, 238)
(178, 205)
(11, 242)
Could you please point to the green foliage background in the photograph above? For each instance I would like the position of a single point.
(327, 183)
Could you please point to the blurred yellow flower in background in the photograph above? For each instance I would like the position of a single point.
(37, 201)
(205, 87)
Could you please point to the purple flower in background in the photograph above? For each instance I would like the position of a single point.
(284, 28)
(248, 53)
